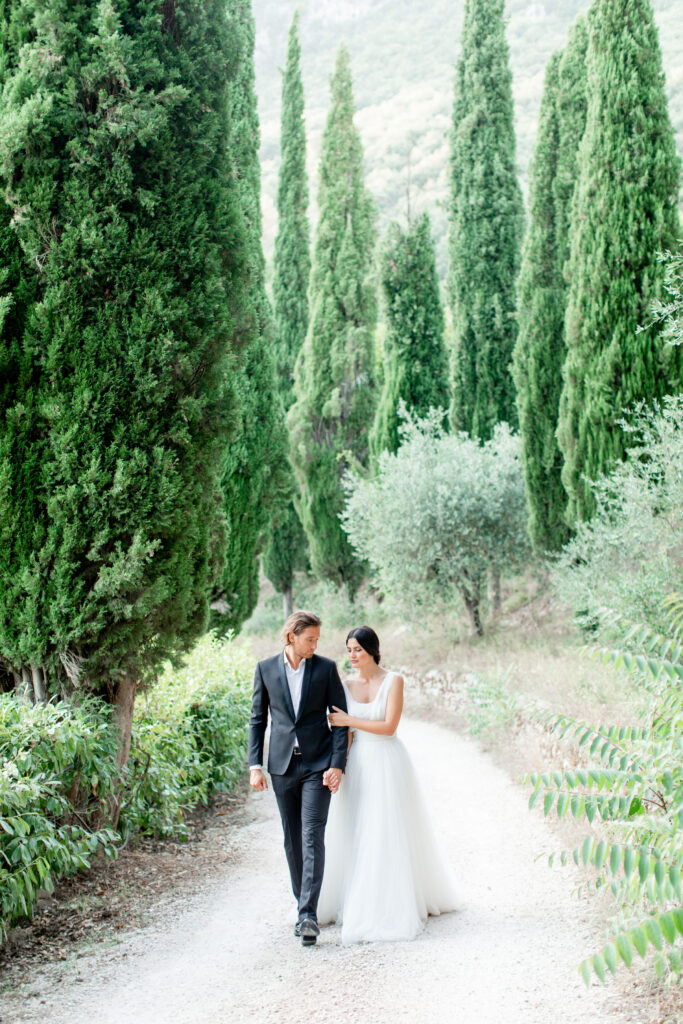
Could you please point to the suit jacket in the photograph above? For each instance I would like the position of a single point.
(321, 747)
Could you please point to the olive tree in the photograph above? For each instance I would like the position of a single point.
(441, 514)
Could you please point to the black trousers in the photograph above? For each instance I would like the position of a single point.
(303, 802)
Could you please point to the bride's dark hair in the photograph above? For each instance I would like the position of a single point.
(368, 640)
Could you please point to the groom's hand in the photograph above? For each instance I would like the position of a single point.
(332, 778)
(257, 779)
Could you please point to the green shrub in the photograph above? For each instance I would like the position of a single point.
(630, 552)
(57, 768)
(633, 783)
(189, 737)
(441, 514)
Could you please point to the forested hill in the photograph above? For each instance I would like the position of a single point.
(402, 56)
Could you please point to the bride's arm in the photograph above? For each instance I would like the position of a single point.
(391, 719)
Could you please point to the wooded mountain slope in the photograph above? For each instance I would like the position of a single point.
(402, 57)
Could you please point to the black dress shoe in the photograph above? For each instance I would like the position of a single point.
(309, 932)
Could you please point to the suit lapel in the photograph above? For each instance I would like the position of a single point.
(285, 686)
(305, 686)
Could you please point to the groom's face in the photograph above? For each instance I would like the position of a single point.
(305, 643)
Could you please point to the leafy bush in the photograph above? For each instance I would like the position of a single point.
(670, 312)
(633, 783)
(58, 769)
(442, 513)
(189, 737)
(631, 552)
(58, 766)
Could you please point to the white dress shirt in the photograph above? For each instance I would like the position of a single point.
(295, 681)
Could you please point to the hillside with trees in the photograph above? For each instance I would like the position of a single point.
(403, 56)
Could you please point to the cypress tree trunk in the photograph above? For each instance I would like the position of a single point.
(486, 223)
(287, 602)
(415, 360)
(287, 547)
(255, 470)
(120, 182)
(624, 213)
(334, 376)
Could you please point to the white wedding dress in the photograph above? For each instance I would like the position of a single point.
(383, 871)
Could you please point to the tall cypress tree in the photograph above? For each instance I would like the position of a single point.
(624, 212)
(540, 350)
(255, 470)
(486, 224)
(287, 547)
(334, 376)
(415, 360)
(119, 179)
(571, 106)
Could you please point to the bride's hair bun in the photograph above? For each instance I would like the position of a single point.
(368, 640)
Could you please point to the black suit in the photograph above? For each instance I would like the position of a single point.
(302, 799)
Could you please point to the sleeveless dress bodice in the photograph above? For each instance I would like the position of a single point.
(374, 710)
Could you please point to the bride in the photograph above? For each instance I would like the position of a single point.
(383, 872)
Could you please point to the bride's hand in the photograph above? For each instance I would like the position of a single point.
(337, 717)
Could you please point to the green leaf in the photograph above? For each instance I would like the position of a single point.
(615, 858)
(625, 949)
(598, 964)
(644, 864)
(668, 926)
(639, 939)
(600, 854)
(610, 955)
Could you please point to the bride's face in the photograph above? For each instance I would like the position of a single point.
(358, 656)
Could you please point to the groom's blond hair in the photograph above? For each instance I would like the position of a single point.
(297, 622)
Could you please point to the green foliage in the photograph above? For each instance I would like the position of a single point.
(632, 782)
(292, 261)
(442, 512)
(486, 224)
(625, 211)
(491, 705)
(670, 312)
(630, 552)
(57, 768)
(286, 551)
(114, 161)
(254, 473)
(189, 737)
(415, 360)
(334, 385)
(403, 56)
(540, 350)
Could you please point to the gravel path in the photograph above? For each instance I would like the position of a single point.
(508, 957)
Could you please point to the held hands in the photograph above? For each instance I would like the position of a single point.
(337, 717)
(332, 778)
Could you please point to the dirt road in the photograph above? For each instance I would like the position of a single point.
(228, 955)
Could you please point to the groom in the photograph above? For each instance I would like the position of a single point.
(305, 757)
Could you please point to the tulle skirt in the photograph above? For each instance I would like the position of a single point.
(383, 871)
